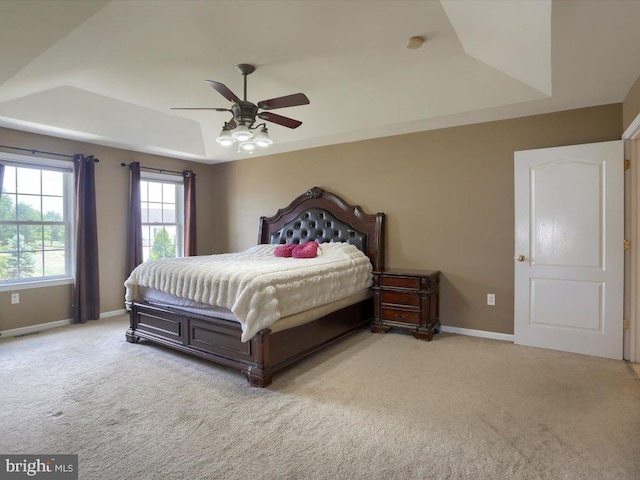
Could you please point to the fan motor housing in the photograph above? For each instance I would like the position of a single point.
(244, 113)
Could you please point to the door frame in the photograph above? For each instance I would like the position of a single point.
(631, 137)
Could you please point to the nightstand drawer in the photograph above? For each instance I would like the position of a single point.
(400, 298)
(404, 316)
(400, 282)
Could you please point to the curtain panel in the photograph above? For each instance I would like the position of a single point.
(1, 177)
(134, 249)
(190, 244)
(86, 292)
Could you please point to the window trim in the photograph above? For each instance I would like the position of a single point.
(57, 165)
(11, 287)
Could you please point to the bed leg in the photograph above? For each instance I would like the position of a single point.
(258, 377)
(131, 337)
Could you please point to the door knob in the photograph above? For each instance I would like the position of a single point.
(521, 258)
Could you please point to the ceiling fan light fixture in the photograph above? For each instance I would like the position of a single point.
(248, 146)
(261, 138)
(225, 139)
(242, 133)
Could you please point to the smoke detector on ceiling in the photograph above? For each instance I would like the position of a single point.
(415, 42)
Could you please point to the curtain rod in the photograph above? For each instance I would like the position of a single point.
(151, 168)
(33, 152)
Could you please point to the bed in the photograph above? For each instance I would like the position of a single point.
(316, 215)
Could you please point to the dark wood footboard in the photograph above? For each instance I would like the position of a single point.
(218, 340)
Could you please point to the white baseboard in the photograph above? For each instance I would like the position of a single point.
(478, 333)
(113, 313)
(16, 332)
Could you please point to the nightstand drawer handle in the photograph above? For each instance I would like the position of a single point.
(399, 316)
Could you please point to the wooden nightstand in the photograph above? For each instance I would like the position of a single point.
(408, 299)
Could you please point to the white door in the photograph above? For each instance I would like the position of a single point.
(569, 215)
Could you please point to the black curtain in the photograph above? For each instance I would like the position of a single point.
(190, 244)
(86, 292)
(134, 251)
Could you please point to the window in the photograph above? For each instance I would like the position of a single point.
(35, 220)
(162, 216)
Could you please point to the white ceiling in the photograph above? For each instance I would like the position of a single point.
(108, 72)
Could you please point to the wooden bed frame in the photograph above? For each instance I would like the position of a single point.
(315, 215)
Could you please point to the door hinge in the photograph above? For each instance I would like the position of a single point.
(627, 244)
(627, 164)
(625, 324)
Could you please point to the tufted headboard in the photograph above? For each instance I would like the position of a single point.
(321, 216)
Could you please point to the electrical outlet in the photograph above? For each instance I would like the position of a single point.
(491, 299)
(15, 298)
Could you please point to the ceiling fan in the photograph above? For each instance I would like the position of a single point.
(245, 113)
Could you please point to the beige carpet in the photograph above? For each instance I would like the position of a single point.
(370, 407)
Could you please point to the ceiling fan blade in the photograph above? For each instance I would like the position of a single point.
(201, 108)
(224, 91)
(279, 119)
(286, 101)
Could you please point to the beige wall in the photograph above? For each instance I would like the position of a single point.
(42, 305)
(631, 105)
(447, 194)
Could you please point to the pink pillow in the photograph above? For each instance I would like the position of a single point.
(306, 250)
(284, 250)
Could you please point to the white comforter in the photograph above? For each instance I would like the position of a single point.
(256, 286)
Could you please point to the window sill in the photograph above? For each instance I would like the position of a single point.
(10, 287)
